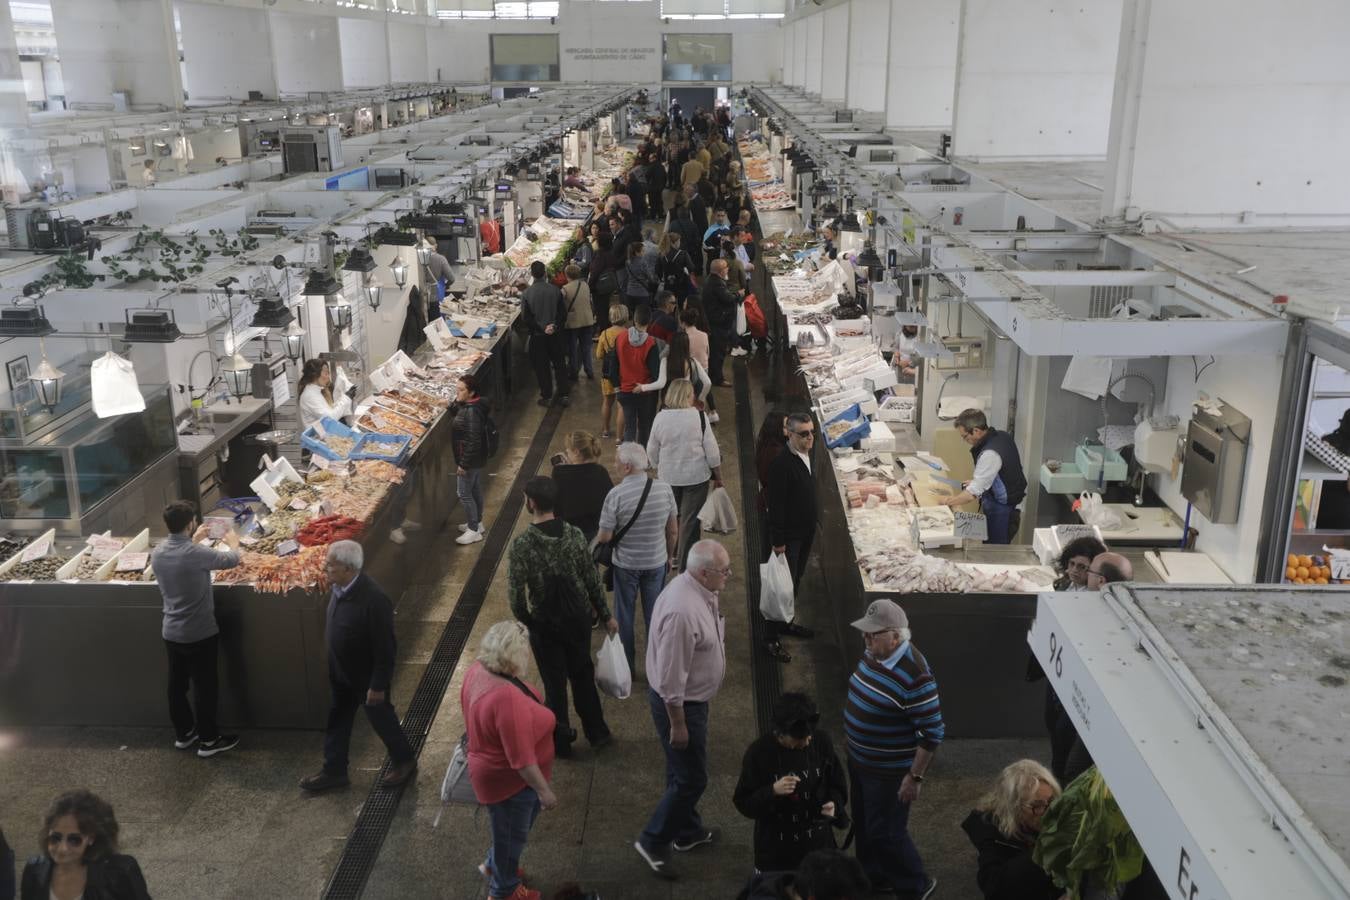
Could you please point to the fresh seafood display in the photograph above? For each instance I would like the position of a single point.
(908, 571)
(42, 569)
(327, 529)
(278, 574)
(380, 470)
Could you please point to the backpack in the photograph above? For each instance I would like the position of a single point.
(606, 283)
(609, 368)
(491, 439)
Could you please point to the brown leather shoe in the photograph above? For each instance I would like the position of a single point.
(322, 781)
(399, 774)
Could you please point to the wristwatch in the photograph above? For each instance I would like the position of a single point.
(917, 779)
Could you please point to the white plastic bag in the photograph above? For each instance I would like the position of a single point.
(611, 669)
(718, 514)
(1093, 511)
(742, 327)
(776, 601)
(113, 388)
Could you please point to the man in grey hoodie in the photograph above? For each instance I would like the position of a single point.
(545, 314)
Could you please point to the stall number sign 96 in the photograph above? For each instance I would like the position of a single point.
(1056, 655)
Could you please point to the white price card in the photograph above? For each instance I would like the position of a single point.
(37, 550)
(286, 548)
(1067, 533)
(439, 334)
(971, 526)
(133, 562)
(281, 390)
(299, 505)
(1340, 563)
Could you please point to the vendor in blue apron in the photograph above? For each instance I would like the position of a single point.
(999, 482)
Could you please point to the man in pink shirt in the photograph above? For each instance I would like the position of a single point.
(686, 660)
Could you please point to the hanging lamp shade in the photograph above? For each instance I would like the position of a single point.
(359, 260)
(399, 269)
(238, 374)
(294, 339)
(47, 378)
(320, 284)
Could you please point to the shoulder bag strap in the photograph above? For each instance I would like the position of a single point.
(523, 689)
(575, 295)
(647, 489)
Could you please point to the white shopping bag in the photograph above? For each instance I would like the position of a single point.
(742, 327)
(611, 669)
(1093, 511)
(718, 514)
(776, 601)
(113, 388)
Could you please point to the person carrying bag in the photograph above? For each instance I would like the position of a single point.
(603, 552)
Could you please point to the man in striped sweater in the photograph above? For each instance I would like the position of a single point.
(893, 721)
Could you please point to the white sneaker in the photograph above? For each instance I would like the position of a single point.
(739, 351)
(482, 529)
(469, 537)
(714, 418)
(397, 536)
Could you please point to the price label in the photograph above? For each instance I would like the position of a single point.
(37, 550)
(103, 553)
(1340, 567)
(248, 541)
(299, 505)
(133, 562)
(288, 548)
(281, 390)
(319, 462)
(970, 526)
(325, 508)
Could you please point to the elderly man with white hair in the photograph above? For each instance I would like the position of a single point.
(686, 660)
(640, 520)
(361, 647)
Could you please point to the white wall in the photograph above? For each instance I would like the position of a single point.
(868, 49)
(1266, 107)
(1251, 385)
(407, 52)
(118, 46)
(799, 40)
(1034, 78)
(815, 38)
(458, 52)
(834, 65)
(365, 53)
(227, 52)
(757, 55)
(308, 53)
(921, 71)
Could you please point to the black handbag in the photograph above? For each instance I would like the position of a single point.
(603, 553)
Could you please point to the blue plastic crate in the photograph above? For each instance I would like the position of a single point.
(309, 438)
(388, 447)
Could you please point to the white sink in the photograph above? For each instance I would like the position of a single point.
(951, 407)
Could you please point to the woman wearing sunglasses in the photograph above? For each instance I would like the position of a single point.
(81, 861)
(794, 787)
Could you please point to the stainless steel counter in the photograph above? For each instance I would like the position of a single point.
(226, 422)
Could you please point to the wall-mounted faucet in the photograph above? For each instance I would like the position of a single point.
(941, 389)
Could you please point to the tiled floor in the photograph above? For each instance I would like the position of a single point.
(239, 827)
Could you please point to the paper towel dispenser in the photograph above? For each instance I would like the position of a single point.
(1217, 440)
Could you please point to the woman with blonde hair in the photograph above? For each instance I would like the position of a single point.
(604, 345)
(684, 452)
(1003, 828)
(510, 752)
(583, 482)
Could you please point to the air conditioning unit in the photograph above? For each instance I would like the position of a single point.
(311, 148)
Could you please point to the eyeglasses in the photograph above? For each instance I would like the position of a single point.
(74, 839)
(726, 573)
(808, 433)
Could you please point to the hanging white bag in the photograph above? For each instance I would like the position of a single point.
(612, 675)
(776, 600)
(113, 388)
(1093, 511)
(718, 513)
(742, 326)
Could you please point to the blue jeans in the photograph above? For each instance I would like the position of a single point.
(510, 822)
(579, 351)
(469, 487)
(676, 816)
(998, 518)
(881, 828)
(627, 584)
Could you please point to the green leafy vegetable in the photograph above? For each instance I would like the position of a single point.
(1085, 841)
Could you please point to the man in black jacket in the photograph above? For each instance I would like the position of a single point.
(719, 306)
(545, 314)
(698, 210)
(790, 495)
(361, 648)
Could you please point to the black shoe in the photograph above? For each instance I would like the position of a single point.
(707, 836)
(657, 860)
(794, 630)
(564, 400)
(923, 894)
(208, 749)
(187, 742)
(776, 650)
(590, 376)
(322, 781)
(545, 401)
(603, 740)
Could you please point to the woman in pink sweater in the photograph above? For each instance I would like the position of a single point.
(510, 753)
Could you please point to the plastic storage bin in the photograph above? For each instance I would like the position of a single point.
(388, 447)
(309, 438)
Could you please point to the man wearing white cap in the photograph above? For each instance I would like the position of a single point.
(893, 721)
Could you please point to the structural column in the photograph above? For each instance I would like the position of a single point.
(1034, 78)
(307, 51)
(13, 99)
(921, 65)
(1251, 131)
(365, 52)
(868, 50)
(227, 52)
(114, 46)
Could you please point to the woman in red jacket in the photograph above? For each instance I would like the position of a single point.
(510, 753)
